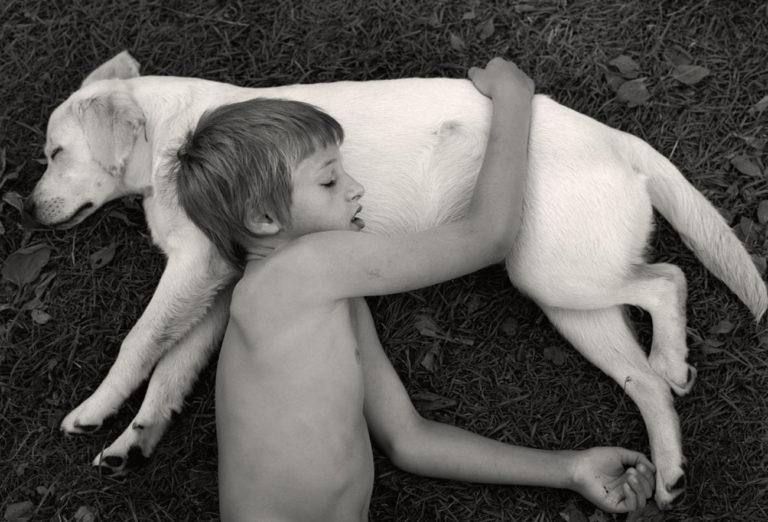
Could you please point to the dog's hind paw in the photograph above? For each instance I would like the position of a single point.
(680, 381)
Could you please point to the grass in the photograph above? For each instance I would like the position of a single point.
(503, 385)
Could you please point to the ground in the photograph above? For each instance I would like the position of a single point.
(496, 366)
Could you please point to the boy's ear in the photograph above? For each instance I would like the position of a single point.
(264, 225)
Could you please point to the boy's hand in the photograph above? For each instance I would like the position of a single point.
(616, 480)
(501, 77)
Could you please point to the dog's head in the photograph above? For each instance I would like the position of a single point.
(89, 141)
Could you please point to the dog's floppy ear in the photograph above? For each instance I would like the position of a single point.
(122, 66)
(111, 122)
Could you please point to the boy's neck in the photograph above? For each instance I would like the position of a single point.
(263, 247)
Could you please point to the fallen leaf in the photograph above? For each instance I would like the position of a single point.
(723, 327)
(474, 304)
(24, 265)
(677, 56)
(428, 361)
(40, 317)
(486, 29)
(614, 79)
(14, 199)
(634, 92)
(573, 514)
(41, 490)
(85, 514)
(45, 280)
(555, 354)
(20, 511)
(598, 516)
(650, 513)
(760, 263)
(628, 68)
(509, 327)
(427, 327)
(103, 256)
(760, 106)
(428, 401)
(690, 74)
(747, 229)
(762, 211)
(21, 468)
(756, 143)
(457, 42)
(469, 15)
(745, 165)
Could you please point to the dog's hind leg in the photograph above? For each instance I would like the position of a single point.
(606, 340)
(661, 290)
(172, 379)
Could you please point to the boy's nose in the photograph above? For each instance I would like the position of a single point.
(356, 191)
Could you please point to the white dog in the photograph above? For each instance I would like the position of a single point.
(416, 145)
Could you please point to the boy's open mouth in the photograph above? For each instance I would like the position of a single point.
(356, 220)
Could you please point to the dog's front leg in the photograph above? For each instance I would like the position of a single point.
(169, 384)
(192, 277)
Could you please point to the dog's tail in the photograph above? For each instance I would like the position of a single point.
(701, 226)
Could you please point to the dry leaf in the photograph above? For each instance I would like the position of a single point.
(19, 512)
(85, 514)
(469, 15)
(690, 74)
(762, 211)
(486, 29)
(723, 327)
(24, 265)
(760, 106)
(760, 263)
(457, 42)
(677, 56)
(747, 229)
(633, 92)
(555, 354)
(427, 326)
(745, 165)
(103, 256)
(628, 68)
(428, 401)
(614, 79)
(14, 200)
(40, 317)
(428, 361)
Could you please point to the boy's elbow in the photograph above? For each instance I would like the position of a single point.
(402, 446)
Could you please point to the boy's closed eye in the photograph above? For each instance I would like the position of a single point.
(329, 183)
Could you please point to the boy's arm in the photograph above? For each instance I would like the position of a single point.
(433, 449)
(333, 265)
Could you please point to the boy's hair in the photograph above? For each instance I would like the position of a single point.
(238, 161)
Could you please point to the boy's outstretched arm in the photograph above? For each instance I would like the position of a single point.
(433, 449)
(335, 265)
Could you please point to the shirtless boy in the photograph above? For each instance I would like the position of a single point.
(302, 378)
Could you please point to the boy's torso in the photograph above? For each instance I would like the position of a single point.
(289, 405)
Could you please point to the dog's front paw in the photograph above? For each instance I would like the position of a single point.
(670, 485)
(132, 449)
(86, 418)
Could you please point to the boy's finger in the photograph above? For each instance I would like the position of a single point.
(647, 477)
(639, 490)
(630, 500)
(635, 458)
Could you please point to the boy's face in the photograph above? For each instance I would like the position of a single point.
(324, 196)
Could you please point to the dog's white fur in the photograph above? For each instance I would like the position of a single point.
(416, 145)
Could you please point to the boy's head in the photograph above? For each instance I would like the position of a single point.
(235, 171)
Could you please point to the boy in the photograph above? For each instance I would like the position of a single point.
(302, 378)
